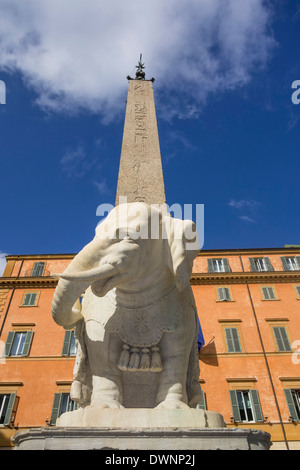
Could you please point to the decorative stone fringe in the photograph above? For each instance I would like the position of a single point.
(156, 365)
(140, 360)
(134, 360)
(145, 360)
(124, 358)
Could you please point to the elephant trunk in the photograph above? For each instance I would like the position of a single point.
(66, 309)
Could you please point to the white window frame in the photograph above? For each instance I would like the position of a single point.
(18, 343)
(291, 263)
(218, 265)
(260, 264)
(2, 406)
(242, 392)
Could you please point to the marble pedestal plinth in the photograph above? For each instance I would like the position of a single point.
(142, 429)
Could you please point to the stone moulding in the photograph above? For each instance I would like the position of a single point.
(196, 279)
(141, 439)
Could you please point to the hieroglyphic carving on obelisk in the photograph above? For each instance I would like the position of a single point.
(140, 173)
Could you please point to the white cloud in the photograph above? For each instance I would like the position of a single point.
(246, 218)
(102, 186)
(76, 163)
(76, 54)
(2, 262)
(243, 203)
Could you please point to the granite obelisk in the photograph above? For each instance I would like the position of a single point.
(140, 173)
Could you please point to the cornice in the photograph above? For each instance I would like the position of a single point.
(261, 277)
(249, 251)
(42, 256)
(27, 282)
(243, 277)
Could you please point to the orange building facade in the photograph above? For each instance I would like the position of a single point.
(248, 304)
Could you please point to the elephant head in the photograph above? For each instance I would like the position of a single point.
(137, 247)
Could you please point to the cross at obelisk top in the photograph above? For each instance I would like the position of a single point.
(140, 172)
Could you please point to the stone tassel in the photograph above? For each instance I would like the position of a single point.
(145, 360)
(134, 360)
(156, 365)
(124, 358)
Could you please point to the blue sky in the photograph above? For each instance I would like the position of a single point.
(229, 131)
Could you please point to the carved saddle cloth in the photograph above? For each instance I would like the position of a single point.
(140, 329)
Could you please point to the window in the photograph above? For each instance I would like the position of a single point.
(62, 403)
(69, 346)
(18, 343)
(261, 264)
(245, 406)
(282, 339)
(293, 402)
(7, 401)
(268, 293)
(218, 265)
(298, 291)
(38, 269)
(223, 294)
(290, 263)
(202, 403)
(232, 340)
(30, 299)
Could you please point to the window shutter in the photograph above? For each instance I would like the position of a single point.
(268, 264)
(281, 337)
(221, 294)
(55, 408)
(284, 263)
(271, 293)
(67, 342)
(30, 299)
(298, 261)
(232, 338)
(201, 405)
(285, 339)
(268, 293)
(235, 406)
(27, 343)
(291, 404)
(258, 416)
(278, 338)
(9, 410)
(236, 341)
(210, 265)
(226, 265)
(253, 266)
(38, 269)
(229, 340)
(9, 343)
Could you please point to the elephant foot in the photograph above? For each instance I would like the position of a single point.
(172, 405)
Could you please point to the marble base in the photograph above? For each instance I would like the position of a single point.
(176, 440)
(141, 418)
(141, 429)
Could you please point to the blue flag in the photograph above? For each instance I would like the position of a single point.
(200, 338)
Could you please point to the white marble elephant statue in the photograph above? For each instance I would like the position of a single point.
(137, 312)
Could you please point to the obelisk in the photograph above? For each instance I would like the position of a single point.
(140, 172)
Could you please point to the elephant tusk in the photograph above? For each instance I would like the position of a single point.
(56, 276)
(106, 270)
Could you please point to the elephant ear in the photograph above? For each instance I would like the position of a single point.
(183, 249)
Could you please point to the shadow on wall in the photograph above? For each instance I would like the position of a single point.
(208, 353)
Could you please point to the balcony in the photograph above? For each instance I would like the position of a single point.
(33, 273)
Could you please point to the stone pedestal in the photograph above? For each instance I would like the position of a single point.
(141, 429)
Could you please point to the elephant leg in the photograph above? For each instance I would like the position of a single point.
(172, 392)
(104, 351)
